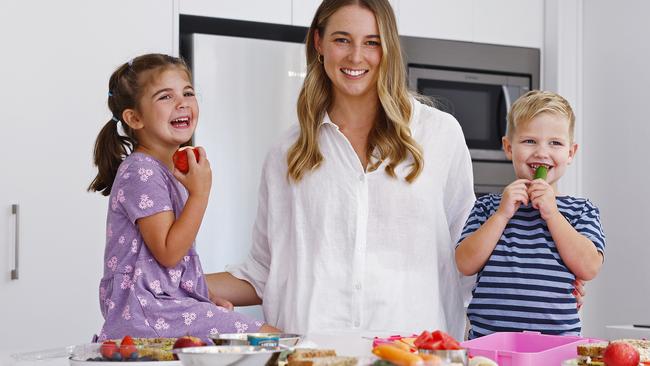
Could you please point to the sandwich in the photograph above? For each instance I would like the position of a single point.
(318, 357)
(591, 354)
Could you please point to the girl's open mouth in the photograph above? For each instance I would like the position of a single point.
(181, 122)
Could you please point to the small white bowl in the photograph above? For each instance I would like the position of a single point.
(227, 355)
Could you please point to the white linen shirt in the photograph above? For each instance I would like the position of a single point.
(345, 249)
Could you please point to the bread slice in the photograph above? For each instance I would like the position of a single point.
(325, 361)
(593, 350)
(308, 353)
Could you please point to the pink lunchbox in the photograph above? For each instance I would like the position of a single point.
(526, 348)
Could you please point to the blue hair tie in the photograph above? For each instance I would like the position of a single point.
(115, 119)
(110, 94)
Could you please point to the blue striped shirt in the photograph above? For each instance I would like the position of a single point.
(525, 285)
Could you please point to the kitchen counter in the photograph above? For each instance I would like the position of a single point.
(345, 343)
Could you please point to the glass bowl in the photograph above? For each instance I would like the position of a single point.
(241, 339)
(227, 355)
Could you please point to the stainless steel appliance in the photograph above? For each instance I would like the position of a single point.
(248, 77)
(479, 101)
(477, 84)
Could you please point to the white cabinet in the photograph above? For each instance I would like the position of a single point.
(303, 12)
(266, 11)
(509, 22)
(505, 22)
(57, 58)
(444, 19)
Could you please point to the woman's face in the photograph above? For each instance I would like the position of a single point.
(351, 50)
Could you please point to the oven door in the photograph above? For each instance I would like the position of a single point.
(479, 101)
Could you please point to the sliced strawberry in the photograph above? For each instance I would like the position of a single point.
(423, 338)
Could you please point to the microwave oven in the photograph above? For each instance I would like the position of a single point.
(478, 100)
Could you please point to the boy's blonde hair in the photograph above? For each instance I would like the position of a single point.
(535, 102)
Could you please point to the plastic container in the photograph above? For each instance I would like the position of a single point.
(92, 354)
(526, 348)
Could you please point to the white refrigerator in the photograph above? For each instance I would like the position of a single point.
(247, 90)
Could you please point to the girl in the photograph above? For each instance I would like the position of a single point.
(153, 284)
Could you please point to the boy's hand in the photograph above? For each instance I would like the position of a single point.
(515, 194)
(542, 197)
(198, 179)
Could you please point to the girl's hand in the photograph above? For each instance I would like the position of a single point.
(198, 179)
(514, 195)
(542, 197)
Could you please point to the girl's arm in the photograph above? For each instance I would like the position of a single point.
(474, 251)
(578, 253)
(170, 239)
(226, 286)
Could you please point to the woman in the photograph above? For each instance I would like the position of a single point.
(360, 207)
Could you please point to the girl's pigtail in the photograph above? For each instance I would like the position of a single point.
(111, 149)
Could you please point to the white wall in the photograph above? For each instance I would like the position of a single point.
(56, 61)
(616, 75)
(562, 73)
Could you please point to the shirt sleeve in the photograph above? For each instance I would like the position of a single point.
(144, 191)
(476, 218)
(255, 269)
(458, 200)
(459, 194)
(588, 224)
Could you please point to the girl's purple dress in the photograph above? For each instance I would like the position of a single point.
(138, 296)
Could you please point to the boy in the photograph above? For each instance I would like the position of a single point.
(529, 244)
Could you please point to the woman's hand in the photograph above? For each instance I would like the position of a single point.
(579, 292)
(220, 301)
(269, 329)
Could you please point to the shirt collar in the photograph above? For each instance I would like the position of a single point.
(327, 120)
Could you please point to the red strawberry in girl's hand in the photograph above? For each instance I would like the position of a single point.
(180, 158)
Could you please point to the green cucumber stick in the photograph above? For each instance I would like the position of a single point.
(541, 172)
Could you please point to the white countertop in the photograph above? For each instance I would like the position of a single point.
(345, 343)
(626, 331)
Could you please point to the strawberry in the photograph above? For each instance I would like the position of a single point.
(180, 159)
(108, 349)
(128, 350)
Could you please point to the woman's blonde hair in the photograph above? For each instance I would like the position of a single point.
(390, 136)
(535, 102)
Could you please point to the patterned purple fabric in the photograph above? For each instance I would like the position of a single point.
(138, 296)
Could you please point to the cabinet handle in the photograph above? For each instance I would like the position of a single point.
(15, 211)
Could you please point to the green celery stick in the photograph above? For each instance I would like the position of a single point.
(541, 172)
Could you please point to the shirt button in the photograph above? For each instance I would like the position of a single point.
(362, 177)
(357, 286)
